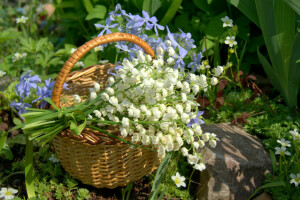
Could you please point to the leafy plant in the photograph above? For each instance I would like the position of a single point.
(277, 20)
(82, 194)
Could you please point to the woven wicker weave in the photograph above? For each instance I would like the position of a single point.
(92, 157)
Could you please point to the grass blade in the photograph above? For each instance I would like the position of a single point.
(159, 175)
(268, 185)
(29, 170)
(171, 12)
(248, 8)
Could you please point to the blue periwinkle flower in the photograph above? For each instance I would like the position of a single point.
(20, 106)
(196, 120)
(106, 27)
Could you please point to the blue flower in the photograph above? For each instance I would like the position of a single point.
(26, 83)
(196, 61)
(157, 26)
(106, 27)
(125, 48)
(196, 120)
(170, 36)
(114, 13)
(179, 62)
(141, 21)
(20, 106)
(186, 40)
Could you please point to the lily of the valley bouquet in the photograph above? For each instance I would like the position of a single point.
(150, 99)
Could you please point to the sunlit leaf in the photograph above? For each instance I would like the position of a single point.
(171, 12)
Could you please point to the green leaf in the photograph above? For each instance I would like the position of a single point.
(151, 6)
(209, 44)
(294, 72)
(273, 160)
(3, 136)
(277, 22)
(17, 121)
(214, 28)
(19, 139)
(294, 4)
(8, 34)
(162, 194)
(268, 185)
(98, 12)
(88, 5)
(7, 152)
(273, 77)
(203, 5)
(171, 12)
(29, 170)
(91, 59)
(41, 44)
(159, 175)
(68, 48)
(74, 127)
(248, 8)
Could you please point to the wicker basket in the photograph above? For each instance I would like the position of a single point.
(92, 157)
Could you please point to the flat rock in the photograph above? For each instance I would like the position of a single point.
(235, 168)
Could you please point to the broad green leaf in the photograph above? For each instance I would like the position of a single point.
(88, 5)
(151, 6)
(294, 71)
(19, 139)
(214, 28)
(294, 4)
(68, 48)
(7, 152)
(268, 185)
(277, 21)
(98, 12)
(41, 44)
(171, 12)
(60, 52)
(17, 121)
(29, 170)
(203, 5)
(91, 59)
(272, 75)
(285, 19)
(209, 44)
(159, 175)
(137, 3)
(248, 8)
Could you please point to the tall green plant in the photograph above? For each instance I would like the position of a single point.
(277, 20)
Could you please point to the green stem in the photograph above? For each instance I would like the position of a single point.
(280, 165)
(12, 174)
(190, 179)
(286, 166)
(297, 155)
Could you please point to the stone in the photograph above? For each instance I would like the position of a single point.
(235, 167)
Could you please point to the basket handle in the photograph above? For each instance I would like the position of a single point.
(82, 50)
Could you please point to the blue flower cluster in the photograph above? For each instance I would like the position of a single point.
(137, 25)
(24, 91)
